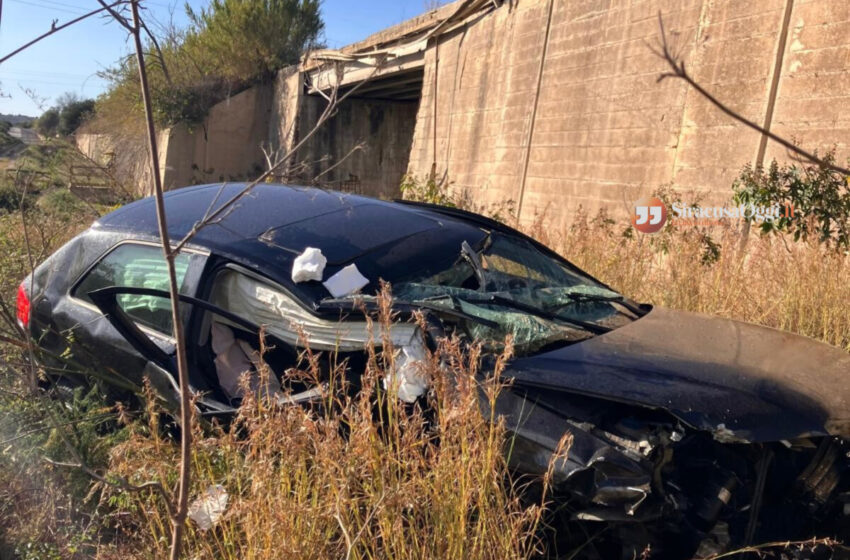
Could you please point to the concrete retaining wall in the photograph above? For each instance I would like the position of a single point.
(364, 148)
(227, 146)
(577, 117)
(546, 105)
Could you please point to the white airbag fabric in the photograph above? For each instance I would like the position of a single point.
(346, 281)
(207, 510)
(262, 304)
(233, 359)
(309, 265)
(409, 375)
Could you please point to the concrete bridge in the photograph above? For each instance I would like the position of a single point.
(545, 105)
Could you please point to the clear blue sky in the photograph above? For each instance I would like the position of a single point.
(69, 60)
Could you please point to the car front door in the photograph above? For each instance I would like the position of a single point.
(160, 363)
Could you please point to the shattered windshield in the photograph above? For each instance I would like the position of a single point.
(506, 286)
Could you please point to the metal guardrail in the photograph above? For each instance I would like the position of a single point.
(88, 176)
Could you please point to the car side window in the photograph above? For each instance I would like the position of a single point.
(136, 266)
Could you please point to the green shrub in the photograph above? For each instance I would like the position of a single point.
(48, 122)
(441, 193)
(65, 117)
(428, 190)
(72, 115)
(812, 200)
(244, 40)
(61, 202)
(229, 46)
(10, 197)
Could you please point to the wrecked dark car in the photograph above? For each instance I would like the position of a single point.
(692, 435)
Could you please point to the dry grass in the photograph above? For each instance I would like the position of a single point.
(797, 287)
(359, 476)
(367, 477)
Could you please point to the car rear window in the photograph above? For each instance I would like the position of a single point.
(136, 266)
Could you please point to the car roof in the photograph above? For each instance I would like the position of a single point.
(266, 229)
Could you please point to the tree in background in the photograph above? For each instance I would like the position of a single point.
(229, 46)
(66, 116)
(813, 199)
(48, 122)
(72, 115)
(247, 40)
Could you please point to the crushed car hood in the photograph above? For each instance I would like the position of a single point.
(740, 381)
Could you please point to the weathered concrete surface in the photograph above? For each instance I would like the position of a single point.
(226, 146)
(286, 102)
(365, 147)
(126, 156)
(593, 127)
(813, 103)
(542, 106)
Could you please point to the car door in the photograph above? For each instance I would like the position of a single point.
(92, 344)
(160, 364)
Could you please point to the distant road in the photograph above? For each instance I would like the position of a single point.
(26, 135)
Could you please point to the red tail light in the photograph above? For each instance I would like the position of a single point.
(23, 307)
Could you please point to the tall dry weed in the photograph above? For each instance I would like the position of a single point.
(799, 287)
(357, 475)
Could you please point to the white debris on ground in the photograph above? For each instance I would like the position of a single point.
(346, 281)
(207, 510)
(408, 373)
(309, 265)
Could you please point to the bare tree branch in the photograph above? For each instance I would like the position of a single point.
(118, 482)
(51, 416)
(181, 508)
(33, 381)
(177, 511)
(159, 55)
(678, 71)
(358, 147)
(56, 28)
(116, 16)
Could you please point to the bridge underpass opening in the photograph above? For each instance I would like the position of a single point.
(365, 147)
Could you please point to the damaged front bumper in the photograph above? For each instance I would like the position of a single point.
(658, 483)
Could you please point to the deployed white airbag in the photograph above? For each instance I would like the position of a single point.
(207, 510)
(263, 304)
(233, 359)
(409, 376)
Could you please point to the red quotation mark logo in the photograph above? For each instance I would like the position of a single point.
(650, 215)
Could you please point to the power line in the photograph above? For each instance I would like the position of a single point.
(56, 28)
(39, 73)
(55, 3)
(64, 84)
(46, 7)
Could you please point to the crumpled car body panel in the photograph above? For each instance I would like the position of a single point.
(738, 380)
